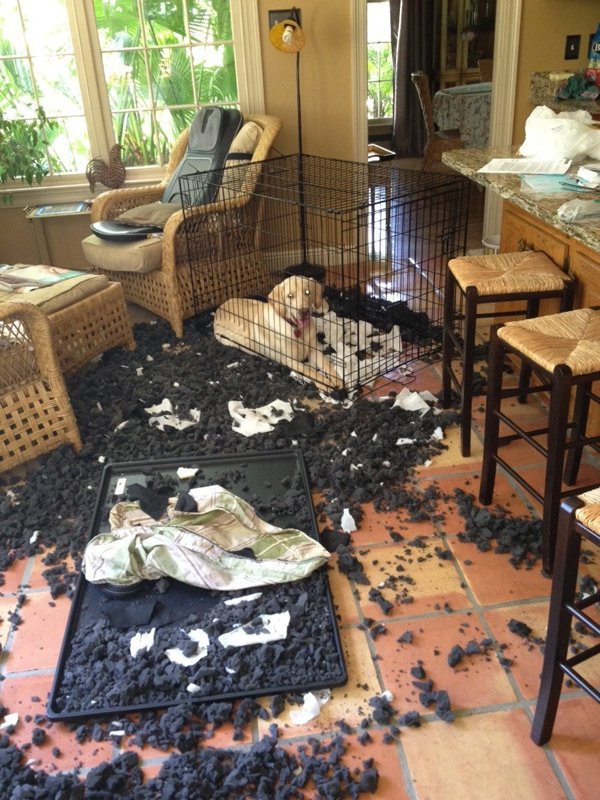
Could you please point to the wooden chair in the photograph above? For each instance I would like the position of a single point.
(486, 68)
(436, 142)
(35, 410)
(476, 284)
(578, 527)
(173, 288)
(563, 352)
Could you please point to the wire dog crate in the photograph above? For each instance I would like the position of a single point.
(333, 268)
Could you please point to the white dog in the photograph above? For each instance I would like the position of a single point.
(282, 329)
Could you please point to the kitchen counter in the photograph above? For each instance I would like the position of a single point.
(529, 222)
(511, 187)
(544, 86)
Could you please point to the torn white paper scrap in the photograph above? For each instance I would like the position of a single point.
(273, 628)
(141, 641)
(429, 397)
(201, 637)
(163, 415)
(410, 401)
(524, 166)
(311, 707)
(177, 656)
(164, 407)
(183, 473)
(438, 434)
(246, 598)
(404, 440)
(348, 522)
(9, 720)
(249, 421)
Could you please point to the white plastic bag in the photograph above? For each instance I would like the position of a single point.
(565, 135)
(576, 210)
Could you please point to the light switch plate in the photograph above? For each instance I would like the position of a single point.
(572, 44)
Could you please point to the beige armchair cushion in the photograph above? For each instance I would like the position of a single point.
(141, 256)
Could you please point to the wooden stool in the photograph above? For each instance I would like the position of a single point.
(578, 521)
(563, 350)
(35, 410)
(503, 278)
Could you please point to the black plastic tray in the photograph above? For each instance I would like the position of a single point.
(264, 476)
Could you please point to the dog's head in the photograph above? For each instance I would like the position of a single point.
(295, 298)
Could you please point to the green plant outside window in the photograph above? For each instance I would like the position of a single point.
(148, 67)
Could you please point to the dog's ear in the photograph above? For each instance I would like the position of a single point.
(319, 301)
(277, 297)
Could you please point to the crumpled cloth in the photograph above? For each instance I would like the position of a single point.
(224, 545)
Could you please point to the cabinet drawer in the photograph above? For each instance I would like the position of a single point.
(521, 231)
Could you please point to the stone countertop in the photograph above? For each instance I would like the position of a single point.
(510, 187)
(542, 92)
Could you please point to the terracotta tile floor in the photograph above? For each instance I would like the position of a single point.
(485, 752)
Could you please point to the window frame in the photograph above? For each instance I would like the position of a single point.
(74, 186)
(376, 125)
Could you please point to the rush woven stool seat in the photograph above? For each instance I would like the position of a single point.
(35, 411)
(578, 524)
(563, 352)
(471, 281)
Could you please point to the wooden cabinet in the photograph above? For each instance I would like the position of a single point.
(467, 35)
(521, 231)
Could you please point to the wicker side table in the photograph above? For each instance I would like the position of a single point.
(35, 411)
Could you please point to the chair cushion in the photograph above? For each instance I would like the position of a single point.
(150, 214)
(140, 256)
(571, 338)
(61, 294)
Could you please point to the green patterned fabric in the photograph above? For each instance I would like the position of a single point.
(224, 545)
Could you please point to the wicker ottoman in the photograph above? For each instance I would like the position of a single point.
(35, 411)
(87, 315)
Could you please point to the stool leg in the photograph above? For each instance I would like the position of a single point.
(532, 311)
(492, 423)
(447, 343)
(578, 432)
(568, 298)
(466, 401)
(558, 417)
(564, 584)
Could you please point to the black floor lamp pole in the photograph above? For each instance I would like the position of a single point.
(301, 165)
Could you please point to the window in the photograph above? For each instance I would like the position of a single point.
(380, 96)
(126, 71)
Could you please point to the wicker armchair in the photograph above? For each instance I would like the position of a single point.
(35, 411)
(168, 291)
(436, 142)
